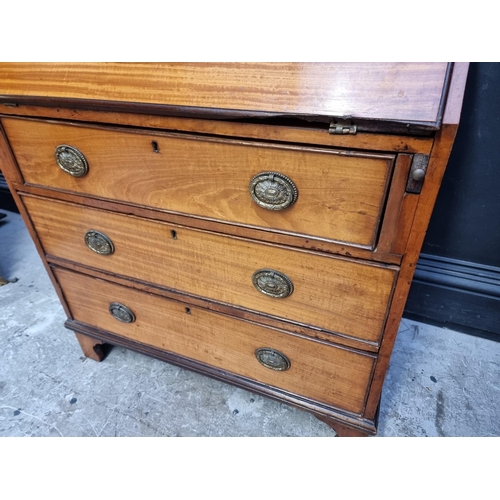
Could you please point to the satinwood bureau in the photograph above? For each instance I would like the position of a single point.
(258, 223)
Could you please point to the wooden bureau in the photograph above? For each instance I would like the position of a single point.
(258, 223)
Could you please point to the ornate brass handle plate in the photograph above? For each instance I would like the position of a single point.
(273, 190)
(99, 242)
(272, 283)
(121, 312)
(272, 359)
(71, 160)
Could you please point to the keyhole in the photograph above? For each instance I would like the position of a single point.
(156, 149)
(188, 311)
(174, 234)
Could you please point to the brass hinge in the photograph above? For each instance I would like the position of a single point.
(340, 127)
(417, 173)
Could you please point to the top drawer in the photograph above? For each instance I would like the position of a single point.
(340, 194)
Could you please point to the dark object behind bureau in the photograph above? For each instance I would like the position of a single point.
(457, 281)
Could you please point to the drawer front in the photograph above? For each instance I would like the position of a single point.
(340, 195)
(325, 373)
(332, 293)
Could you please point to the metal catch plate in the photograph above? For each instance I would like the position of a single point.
(99, 242)
(272, 359)
(121, 312)
(273, 190)
(71, 160)
(272, 283)
(417, 173)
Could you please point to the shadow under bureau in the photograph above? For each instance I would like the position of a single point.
(258, 223)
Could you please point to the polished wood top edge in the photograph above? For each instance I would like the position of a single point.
(376, 125)
(318, 408)
(444, 95)
(180, 297)
(293, 133)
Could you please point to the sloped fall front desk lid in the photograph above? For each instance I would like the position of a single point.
(377, 96)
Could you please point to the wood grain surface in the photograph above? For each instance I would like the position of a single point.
(263, 116)
(335, 294)
(219, 307)
(335, 376)
(341, 194)
(392, 91)
(393, 223)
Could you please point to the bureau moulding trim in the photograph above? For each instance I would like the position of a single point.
(342, 416)
(467, 276)
(460, 295)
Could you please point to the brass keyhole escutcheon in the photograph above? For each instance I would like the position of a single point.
(272, 359)
(99, 243)
(121, 312)
(71, 160)
(273, 190)
(272, 283)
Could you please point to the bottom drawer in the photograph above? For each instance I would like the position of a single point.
(328, 374)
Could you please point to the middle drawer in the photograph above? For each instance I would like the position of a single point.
(334, 294)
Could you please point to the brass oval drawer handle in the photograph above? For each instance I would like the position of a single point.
(121, 312)
(272, 359)
(273, 190)
(272, 283)
(71, 160)
(99, 243)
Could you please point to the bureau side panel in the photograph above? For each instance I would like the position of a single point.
(424, 205)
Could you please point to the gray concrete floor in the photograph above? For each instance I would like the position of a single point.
(440, 382)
